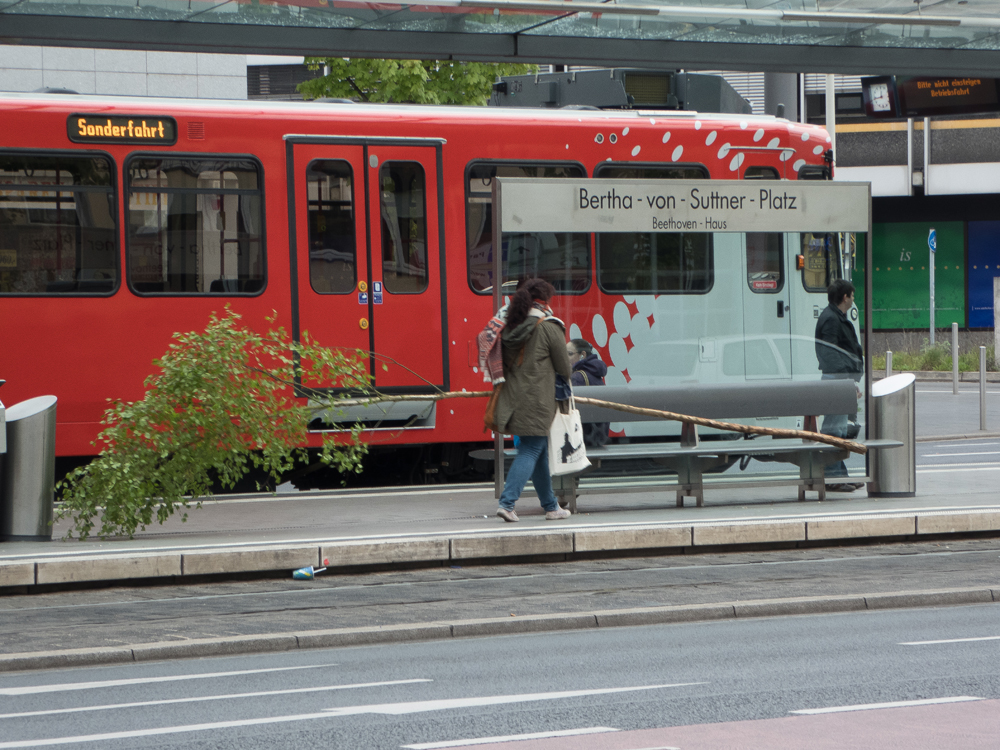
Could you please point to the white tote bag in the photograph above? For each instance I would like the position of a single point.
(567, 453)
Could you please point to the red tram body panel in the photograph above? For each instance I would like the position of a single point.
(123, 221)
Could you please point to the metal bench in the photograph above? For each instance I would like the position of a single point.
(692, 457)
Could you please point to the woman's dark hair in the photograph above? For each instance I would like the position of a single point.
(582, 345)
(528, 290)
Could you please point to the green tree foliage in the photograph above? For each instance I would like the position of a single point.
(410, 81)
(222, 403)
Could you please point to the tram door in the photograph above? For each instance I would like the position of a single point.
(766, 311)
(367, 256)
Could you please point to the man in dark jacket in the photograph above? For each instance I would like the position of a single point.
(840, 356)
(588, 369)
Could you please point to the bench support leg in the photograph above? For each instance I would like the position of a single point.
(697, 492)
(690, 476)
(565, 489)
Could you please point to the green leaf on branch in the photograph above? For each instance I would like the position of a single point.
(407, 81)
(224, 402)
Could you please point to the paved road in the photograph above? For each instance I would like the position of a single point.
(940, 412)
(126, 616)
(658, 686)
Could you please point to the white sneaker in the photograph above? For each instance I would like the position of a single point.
(508, 515)
(557, 515)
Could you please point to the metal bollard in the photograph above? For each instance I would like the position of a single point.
(27, 484)
(954, 358)
(888, 364)
(982, 388)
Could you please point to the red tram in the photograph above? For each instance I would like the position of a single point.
(124, 220)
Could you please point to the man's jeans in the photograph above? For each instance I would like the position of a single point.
(532, 461)
(835, 425)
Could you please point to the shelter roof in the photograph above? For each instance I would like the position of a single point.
(928, 37)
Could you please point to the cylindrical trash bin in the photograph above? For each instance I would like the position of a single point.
(28, 470)
(894, 470)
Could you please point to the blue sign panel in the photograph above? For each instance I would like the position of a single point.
(983, 265)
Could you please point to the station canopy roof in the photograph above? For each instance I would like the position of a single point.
(910, 37)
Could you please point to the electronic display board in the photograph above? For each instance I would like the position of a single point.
(888, 96)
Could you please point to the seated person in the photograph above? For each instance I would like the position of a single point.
(588, 369)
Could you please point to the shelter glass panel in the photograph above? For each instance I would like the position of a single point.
(561, 258)
(765, 266)
(332, 234)
(195, 225)
(58, 224)
(654, 262)
(821, 260)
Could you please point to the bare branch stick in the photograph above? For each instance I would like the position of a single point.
(849, 445)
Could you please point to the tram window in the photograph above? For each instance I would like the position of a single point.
(332, 235)
(761, 173)
(561, 258)
(404, 227)
(820, 252)
(813, 172)
(765, 270)
(195, 225)
(654, 262)
(57, 224)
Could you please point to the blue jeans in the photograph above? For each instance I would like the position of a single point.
(532, 461)
(835, 425)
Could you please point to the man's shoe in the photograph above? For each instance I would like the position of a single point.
(508, 515)
(859, 485)
(840, 488)
(557, 515)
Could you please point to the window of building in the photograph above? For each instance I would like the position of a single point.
(404, 227)
(58, 224)
(561, 258)
(195, 225)
(654, 262)
(332, 234)
(765, 268)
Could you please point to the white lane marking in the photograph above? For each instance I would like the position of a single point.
(404, 708)
(966, 464)
(974, 468)
(35, 689)
(895, 704)
(973, 391)
(398, 709)
(950, 455)
(509, 738)
(951, 640)
(82, 709)
(970, 443)
(161, 730)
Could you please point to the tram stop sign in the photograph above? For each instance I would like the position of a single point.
(595, 205)
(932, 241)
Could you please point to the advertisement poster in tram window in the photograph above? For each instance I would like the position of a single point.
(901, 276)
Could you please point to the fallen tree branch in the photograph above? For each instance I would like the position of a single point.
(818, 437)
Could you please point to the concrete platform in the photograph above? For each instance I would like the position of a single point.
(455, 525)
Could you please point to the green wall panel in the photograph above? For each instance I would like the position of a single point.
(901, 279)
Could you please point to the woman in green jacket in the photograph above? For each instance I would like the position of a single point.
(534, 350)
